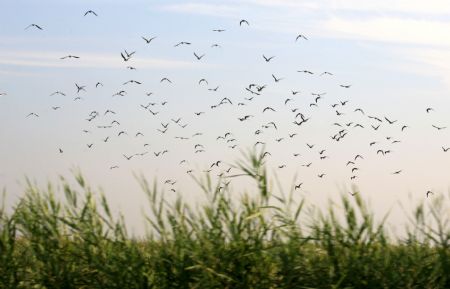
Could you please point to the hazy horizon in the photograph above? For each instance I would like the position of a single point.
(392, 55)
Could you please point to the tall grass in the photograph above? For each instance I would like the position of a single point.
(262, 240)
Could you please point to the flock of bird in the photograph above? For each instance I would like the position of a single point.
(300, 117)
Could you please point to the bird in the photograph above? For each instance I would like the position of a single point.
(198, 57)
(109, 111)
(203, 80)
(132, 81)
(345, 86)
(182, 43)
(34, 25)
(268, 59)
(148, 40)
(390, 121)
(128, 157)
(219, 30)
(98, 84)
(90, 145)
(80, 87)
(113, 167)
(243, 21)
(397, 172)
(300, 36)
(165, 79)
(60, 151)
(55, 107)
(70, 56)
(32, 114)
(276, 79)
(445, 149)
(245, 117)
(438, 127)
(124, 57)
(268, 108)
(326, 73)
(429, 109)
(358, 156)
(90, 12)
(298, 186)
(429, 193)
(375, 127)
(56, 92)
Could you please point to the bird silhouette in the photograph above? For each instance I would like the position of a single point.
(300, 36)
(70, 56)
(243, 21)
(182, 43)
(90, 12)
(198, 57)
(276, 79)
(35, 26)
(148, 40)
(267, 59)
(438, 127)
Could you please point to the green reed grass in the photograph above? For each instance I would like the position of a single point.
(262, 240)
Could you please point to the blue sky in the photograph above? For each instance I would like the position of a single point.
(393, 53)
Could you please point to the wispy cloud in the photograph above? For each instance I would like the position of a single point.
(389, 29)
(435, 7)
(219, 10)
(87, 60)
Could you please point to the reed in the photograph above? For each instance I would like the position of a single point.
(262, 240)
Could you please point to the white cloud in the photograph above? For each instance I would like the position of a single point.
(91, 60)
(435, 7)
(394, 30)
(219, 10)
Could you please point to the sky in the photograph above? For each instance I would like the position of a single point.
(393, 55)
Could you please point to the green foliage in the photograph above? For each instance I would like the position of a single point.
(259, 241)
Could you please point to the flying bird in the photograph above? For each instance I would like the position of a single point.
(300, 36)
(182, 43)
(438, 127)
(34, 25)
(70, 56)
(243, 21)
(90, 12)
(148, 40)
(268, 59)
(198, 57)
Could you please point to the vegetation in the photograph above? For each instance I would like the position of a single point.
(260, 241)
